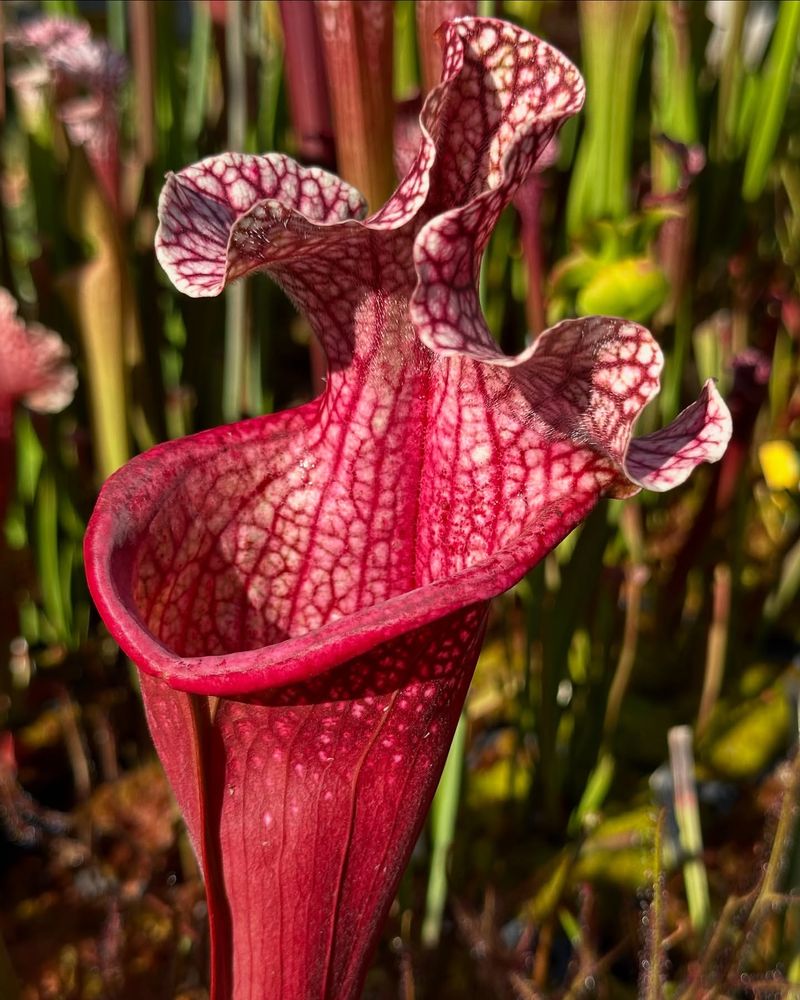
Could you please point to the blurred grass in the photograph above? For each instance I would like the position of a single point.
(537, 870)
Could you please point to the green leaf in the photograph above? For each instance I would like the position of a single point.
(634, 288)
(29, 456)
(46, 547)
(772, 99)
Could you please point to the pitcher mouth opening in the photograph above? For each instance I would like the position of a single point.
(158, 572)
(259, 546)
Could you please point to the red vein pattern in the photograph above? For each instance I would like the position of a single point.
(325, 572)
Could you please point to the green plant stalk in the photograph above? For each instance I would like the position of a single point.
(168, 89)
(254, 397)
(235, 375)
(66, 565)
(790, 178)
(101, 296)
(741, 128)
(631, 530)
(45, 183)
(787, 588)
(116, 13)
(548, 897)
(612, 35)
(782, 376)
(67, 8)
(524, 12)
(46, 548)
(579, 579)
(197, 80)
(717, 646)
(594, 794)
(674, 118)
(29, 456)
(142, 50)
(669, 399)
(742, 507)
(270, 77)
(271, 55)
(599, 783)
(674, 111)
(530, 591)
(776, 81)
(494, 274)
(631, 30)
(444, 813)
(730, 83)
(707, 351)
(406, 70)
(687, 816)
(636, 578)
(589, 182)
(105, 383)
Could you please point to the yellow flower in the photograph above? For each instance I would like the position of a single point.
(780, 465)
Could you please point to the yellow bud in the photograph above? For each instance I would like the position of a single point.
(780, 465)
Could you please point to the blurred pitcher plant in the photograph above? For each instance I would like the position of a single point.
(35, 371)
(59, 65)
(305, 594)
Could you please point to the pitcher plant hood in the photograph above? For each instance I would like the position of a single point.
(305, 593)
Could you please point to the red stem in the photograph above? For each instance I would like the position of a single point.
(357, 40)
(143, 46)
(306, 86)
(307, 91)
(528, 202)
(430, 14)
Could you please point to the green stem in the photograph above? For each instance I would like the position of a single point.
(444, 813)
(612, 35)
(687, 816)
(773, 96)
(117, 24)
(717, 647)
(46, 548)
(730, 82)
(235, 364)
(357, 39)
(674, 103)
(636, 578)
(143, 50)
(197, 82)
